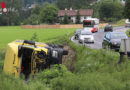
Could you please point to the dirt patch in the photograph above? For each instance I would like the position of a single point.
(69, 60)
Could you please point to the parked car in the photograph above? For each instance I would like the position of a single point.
(112, 40)
(127, 23)
(86, 37)
(108, 28)
(77, 32)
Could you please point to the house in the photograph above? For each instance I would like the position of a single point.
(84, 14)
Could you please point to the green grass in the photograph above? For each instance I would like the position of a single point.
(127, 32)
(9, 34)
(93, 69)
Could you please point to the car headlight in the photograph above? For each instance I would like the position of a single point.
(82, 38)
(92, 38)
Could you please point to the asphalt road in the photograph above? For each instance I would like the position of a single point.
(98, 37)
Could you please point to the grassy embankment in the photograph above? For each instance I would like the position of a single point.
(94, 69)
(128, 33)
(119, 23)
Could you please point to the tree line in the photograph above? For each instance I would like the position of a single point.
(106, 10)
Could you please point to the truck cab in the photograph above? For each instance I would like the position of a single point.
(27, 57)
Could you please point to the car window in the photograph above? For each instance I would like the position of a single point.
(108, 35)
(77, 31)
(88, 23)
(118, 36)
(86, 33)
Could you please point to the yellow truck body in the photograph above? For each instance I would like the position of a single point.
(26, 57)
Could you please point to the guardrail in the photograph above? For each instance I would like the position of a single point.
(57, 26)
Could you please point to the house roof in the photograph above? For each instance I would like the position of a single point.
(82, 12)
(86, 12)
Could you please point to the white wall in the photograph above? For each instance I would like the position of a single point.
(74, 19)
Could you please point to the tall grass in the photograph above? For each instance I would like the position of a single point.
(128, 32)
(93, 70)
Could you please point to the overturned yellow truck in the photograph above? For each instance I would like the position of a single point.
(26, 57)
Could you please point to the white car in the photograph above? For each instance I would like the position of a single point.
(86, 37)
(127, 23)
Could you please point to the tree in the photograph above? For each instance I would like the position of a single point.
(34, 37)
(127, 9)
(110, 10)
(36, 10)
(14, 11)
(33, 20)
(49, 14)
(77, 4)
(65, 20)
(78, 18)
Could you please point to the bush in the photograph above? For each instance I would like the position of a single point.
(110, 19)
(49, 74)
(128, 32)
(34, 37)
(121, 22)
(33, 20)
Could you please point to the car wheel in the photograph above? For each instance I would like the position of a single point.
(80, 41)
(75, 38)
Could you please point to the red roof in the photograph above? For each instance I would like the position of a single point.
(86, 12)
(83, 12)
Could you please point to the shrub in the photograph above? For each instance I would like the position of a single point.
(55, 71)
(34, 37)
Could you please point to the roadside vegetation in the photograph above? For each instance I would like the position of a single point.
(128, 33)
(119, 23)
(93, 69)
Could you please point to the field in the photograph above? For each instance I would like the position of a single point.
(93, 69)
(9, 34)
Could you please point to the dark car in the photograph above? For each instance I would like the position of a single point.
(112, 40)
(77, 32)
(108, 28)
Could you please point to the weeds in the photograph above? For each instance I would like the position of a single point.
(93, 70)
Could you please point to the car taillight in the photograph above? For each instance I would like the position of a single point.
(94, 29)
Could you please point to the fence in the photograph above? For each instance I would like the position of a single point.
(56, 26)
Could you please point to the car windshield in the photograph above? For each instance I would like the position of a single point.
(77, 31)
(118, 36)
(86, 33)
(88, 24)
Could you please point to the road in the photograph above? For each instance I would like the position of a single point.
(98, 37)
